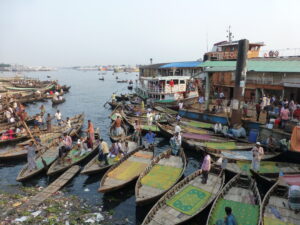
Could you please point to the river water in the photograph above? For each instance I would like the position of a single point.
(88, 94)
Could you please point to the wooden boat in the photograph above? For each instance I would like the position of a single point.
(18, 138)
(117, 138)
(168, 209)
(276, 208)
(122, 97)
(48, 87)
(101, 78)
(196, 124)
(173, 104)
(43, 161)
(58, 101)
(213, 118)
(163, 173)
(166, 111)
(32, 99)
(122, 81)
(242, 196)
(66, 88)
(72, 158)
(142, 122)
(202, 135)
(217, 147)
(126, 170)
(47, 140)
(244, 155)
(113, 104)
(267, 168)
(94, 166)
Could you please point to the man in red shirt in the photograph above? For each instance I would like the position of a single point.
(296, 113)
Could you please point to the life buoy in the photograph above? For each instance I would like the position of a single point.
(231, 55)
(266, 55)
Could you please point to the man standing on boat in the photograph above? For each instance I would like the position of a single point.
(257, 153)
(91, 133)
(31, 149)
(104, 151)
(175, 143)
(67, 141)
(205, 167)
(58, 117)
(118, 131)
(180, 105)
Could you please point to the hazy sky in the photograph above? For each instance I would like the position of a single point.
(89, 32)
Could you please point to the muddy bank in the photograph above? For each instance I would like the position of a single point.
(60, 209)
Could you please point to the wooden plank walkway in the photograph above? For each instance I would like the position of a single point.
(54, 186)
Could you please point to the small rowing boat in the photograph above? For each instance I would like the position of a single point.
(267, 168)
(94, 166)
(276, 207)
(142, 123)
(186, 199)
(43, 161)
(19, 152)
(242, 196)
(115, 137)
(163, 173)
(58, 101)
(126, 170)
(74, 157)
(217, 147)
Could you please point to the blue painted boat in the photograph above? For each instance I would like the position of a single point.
(196, 115)
(211, 118)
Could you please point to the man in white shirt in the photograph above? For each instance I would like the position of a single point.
(58, 117)
(180, 105)
(177, 128)
(8, 115)
(258, 153)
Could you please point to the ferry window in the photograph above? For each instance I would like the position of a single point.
(232, 48)
(182, 82)
(163, 97)
(175, 82)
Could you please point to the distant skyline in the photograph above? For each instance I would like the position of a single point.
(81, 33)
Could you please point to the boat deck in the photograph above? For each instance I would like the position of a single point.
(288, 216)
(54, 186)
(167, 215)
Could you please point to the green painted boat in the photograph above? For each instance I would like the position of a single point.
(43, 162)
(73, 158)
(267, 168)
(165, 110)
(186, 199)
(94, 166)
(218, 147)
(242, 196)
(143, 123)
(196, 124)
(276, 199)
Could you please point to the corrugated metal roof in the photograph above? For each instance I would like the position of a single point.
(283, 66)
(152, 66)
(182, 64)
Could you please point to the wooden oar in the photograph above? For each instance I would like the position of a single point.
(30, 134)
(115, 109)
